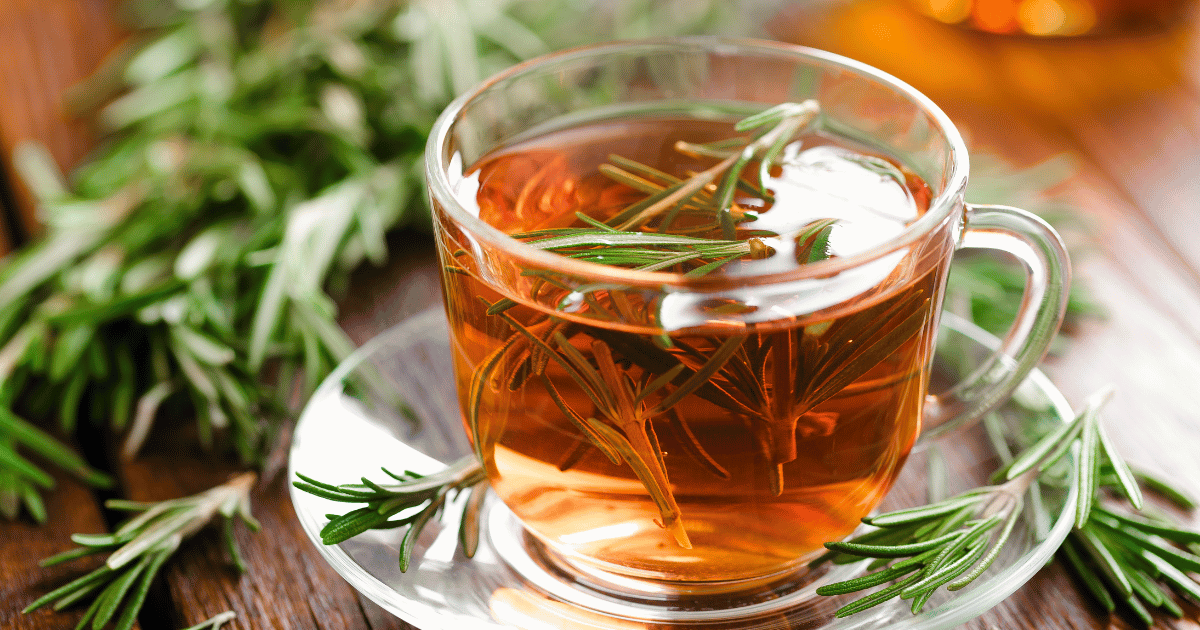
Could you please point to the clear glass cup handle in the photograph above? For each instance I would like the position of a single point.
(1048, 279)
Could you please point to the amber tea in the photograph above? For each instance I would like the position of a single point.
(691, 447)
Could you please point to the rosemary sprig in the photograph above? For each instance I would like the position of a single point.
(638, 237)
(777, 126)
(1119, 557)
(1141, 562)
(414, 498)
(139, 549)
(952, 542)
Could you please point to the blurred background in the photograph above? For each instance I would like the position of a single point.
(1050, 62)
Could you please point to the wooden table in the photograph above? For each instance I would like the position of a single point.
(1127, 110)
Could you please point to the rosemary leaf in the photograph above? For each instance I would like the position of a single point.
(469, 522)
(415, 529)
(1087, 477)
(892, 551)
(920, 514)
(1124, 474)
(1151, 527)
(1111, 568)
(1093, 583)
(1166, 489)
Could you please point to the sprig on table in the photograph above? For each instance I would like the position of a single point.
(1138, 561)
(1119, 557)
(140, 548)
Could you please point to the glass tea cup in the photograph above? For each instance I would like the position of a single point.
(706, 432)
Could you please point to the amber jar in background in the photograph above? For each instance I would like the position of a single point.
(1056, 18)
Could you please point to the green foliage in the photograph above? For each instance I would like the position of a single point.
(140, 548)
(410, 501)
(1140, 561)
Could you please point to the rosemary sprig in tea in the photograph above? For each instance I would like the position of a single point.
(621, 422)
(628, 406)
(644, 251)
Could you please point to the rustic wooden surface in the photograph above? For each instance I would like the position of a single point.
(1126, 109)
(6, 244)
(48, 46)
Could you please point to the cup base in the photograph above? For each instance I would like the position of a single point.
(642, 599)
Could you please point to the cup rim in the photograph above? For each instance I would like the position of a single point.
(940, 207)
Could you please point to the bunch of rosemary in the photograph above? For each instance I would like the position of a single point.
(257, 151)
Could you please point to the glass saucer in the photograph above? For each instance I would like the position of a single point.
(392, 404)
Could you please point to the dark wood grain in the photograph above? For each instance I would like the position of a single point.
(46, 46)
(70, 508)
(6, 233)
